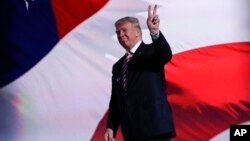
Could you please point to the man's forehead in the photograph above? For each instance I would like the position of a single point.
(124, 24)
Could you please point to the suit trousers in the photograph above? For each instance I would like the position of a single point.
(128, 134)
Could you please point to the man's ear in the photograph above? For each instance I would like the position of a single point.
(138, 32)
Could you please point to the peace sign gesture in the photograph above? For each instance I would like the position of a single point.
(153, 20)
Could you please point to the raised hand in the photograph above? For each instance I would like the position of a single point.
(153, 20)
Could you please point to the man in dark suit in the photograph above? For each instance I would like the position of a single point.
(138, 100)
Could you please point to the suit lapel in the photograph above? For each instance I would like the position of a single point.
(118, 73)
(132, 73)
(139, 50)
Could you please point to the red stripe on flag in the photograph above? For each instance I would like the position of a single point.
(69, 14)
(209, 89)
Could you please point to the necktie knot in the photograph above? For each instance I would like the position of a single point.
(128, 56)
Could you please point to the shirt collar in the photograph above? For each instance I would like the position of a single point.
(135, 47)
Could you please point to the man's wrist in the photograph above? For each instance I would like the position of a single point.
(155, 34)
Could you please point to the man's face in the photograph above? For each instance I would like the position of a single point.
(127, 35)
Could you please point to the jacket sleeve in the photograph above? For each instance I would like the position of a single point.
(162, 49)
(113, 121)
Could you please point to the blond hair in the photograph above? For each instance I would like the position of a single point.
(134, 21)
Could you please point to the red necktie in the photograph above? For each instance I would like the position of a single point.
(124, 71)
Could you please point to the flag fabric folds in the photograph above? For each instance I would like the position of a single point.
(56, 59)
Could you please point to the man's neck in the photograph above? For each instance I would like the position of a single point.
(134, 48)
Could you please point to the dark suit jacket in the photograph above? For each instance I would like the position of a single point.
(145, 100)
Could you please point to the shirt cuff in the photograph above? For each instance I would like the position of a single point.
(155, 36)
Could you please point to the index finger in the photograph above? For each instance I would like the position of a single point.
(149, 11)
(106, 137)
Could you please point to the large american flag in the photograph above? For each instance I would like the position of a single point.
(56, 58)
